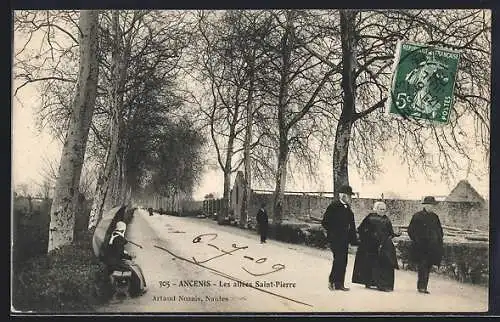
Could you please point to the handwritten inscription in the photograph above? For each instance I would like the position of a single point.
(207, 239)
(232, 278)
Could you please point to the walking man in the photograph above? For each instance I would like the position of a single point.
(426, 234)
(262, 222)
(338, 221)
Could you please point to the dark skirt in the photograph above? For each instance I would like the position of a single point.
(374, 268)
(137, 282)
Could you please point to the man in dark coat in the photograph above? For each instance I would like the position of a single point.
(338, 221)
(426, 234)
(263, 223)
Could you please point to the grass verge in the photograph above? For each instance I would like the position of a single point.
(69, 279)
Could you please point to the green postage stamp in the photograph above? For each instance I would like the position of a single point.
(423, 82)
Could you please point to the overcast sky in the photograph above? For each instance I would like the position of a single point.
(30, 147)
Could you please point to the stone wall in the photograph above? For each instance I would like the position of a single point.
(236, 195)
(467, 215)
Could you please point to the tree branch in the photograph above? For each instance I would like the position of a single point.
(369, 110)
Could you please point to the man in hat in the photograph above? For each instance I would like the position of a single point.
(338, 221)
(426, 234)
(262, 222)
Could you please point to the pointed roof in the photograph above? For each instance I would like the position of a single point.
(239, 179)
(464, 192)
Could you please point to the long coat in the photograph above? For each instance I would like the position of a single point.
(338, 220)
(376, 255)
(426, 234)
(262, 220)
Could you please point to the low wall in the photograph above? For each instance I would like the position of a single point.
(464, 261)
(467, 215)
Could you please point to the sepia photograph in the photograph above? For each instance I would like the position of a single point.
(331, 161)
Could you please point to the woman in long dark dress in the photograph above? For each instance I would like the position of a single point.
(376, 255)
(117, 258)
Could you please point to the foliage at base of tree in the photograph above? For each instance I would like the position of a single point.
(66, 280)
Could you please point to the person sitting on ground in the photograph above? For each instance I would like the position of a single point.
(115, 250)
(118, 259)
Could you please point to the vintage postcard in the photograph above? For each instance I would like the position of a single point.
(251, 161)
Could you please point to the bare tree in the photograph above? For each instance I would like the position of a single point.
(145, 47)
(47, 54)
(66, 190)
(368, 40)
(299, 88)
(148, 46)
(377, 33)
(224, 68)
(49, 175)
(119, 66)
(22, 189)
(45, 190)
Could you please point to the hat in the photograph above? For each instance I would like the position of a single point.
(429, 200)
(346, 189)
(121, 226)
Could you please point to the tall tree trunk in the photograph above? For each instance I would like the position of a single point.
(279, 195)
(119, 59)
(174, 195)
(229, 158)
(282, 125)
(124, 188)
(111, 195)
(344, 127)
(247, 190)
(117, 182)
(116, 186)
(103, 183)
(128, 195)
(62, 213)
(227, 178)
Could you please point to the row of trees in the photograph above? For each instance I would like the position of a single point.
(271, 89)
(119, 109)
(280, 86)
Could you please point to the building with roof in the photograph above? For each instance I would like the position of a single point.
(464, 192)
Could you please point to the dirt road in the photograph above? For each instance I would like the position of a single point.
(195, 265)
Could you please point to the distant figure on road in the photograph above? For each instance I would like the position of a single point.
(376, 255)
(338, 221)
(262, 223)
(426, 234)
